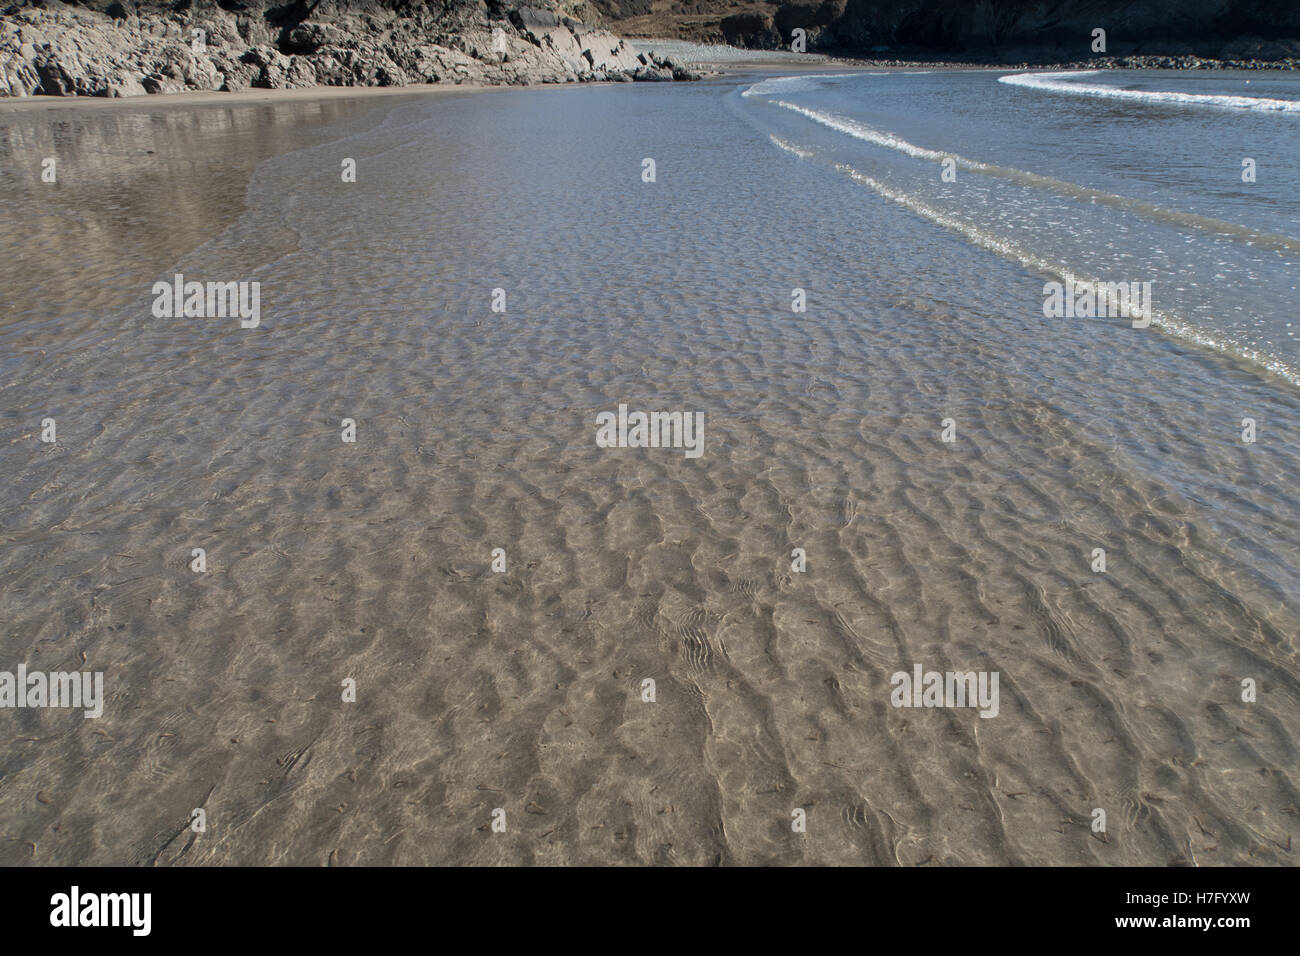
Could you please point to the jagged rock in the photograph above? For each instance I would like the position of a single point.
(310, 37)
(158, 83)
(273, 70)
(753, 30)
(97, 48)
(806, 16)
(652, 74)
(528, 17)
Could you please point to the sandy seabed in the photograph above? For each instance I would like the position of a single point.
(524, 690)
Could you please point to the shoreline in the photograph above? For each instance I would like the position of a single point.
(715, 60)
(714, 69)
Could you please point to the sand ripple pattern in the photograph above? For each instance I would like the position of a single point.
(523, 690)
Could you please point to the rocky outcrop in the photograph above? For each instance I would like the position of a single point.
(1060, 29)
(1163, 32)
(128, 49)
(754, 31)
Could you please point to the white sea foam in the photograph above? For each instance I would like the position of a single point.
(842, 124)
(1148, 210)
(1167, 321)
(790, 147)
(1064, 83)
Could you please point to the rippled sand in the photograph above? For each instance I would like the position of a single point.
(522, 690)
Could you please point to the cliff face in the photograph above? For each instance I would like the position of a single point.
(1047, 30)
(126, 48)
(1132, 26)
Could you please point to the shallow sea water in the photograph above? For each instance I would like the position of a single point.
(476, 430)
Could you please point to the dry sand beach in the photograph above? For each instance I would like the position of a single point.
(524, 690)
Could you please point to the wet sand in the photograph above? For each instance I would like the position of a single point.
(523, 690)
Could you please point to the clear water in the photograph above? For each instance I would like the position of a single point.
(476, 431)
(1093, 186)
